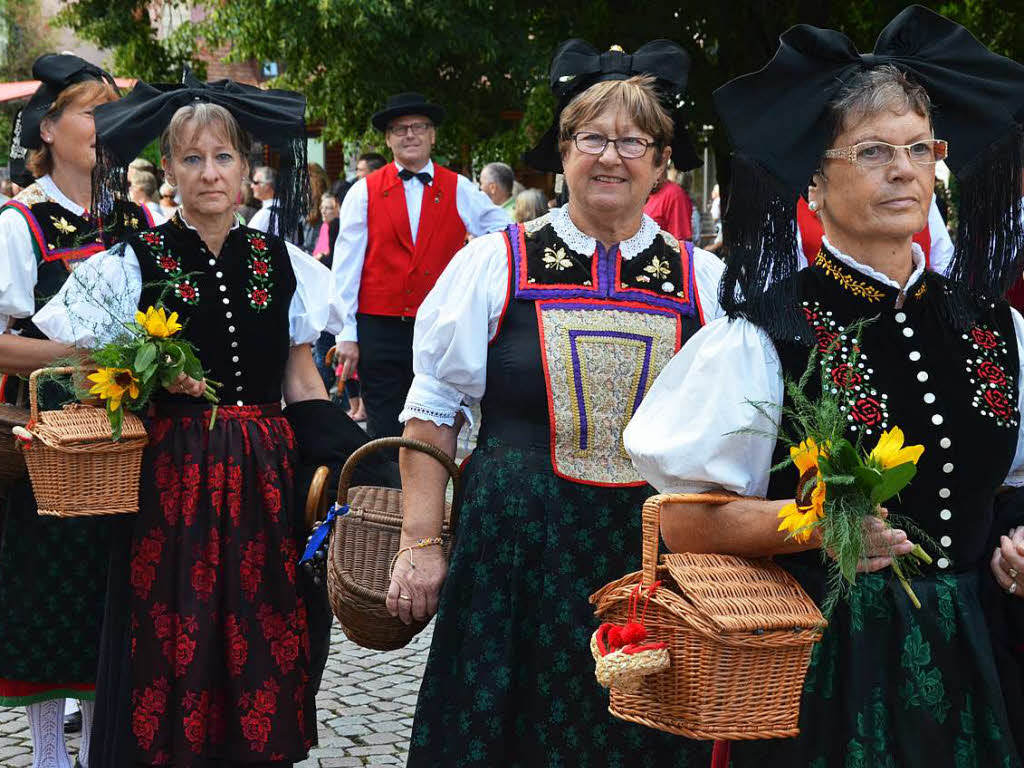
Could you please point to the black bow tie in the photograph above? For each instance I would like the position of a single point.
(405, 174)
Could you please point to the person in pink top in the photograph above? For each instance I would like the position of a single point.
(672, 208)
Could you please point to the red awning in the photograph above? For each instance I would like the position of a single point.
(25, 88)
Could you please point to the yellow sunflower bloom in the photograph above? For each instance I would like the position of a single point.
(890, 452)
(156, 322)
(809, 506)
(113, 384)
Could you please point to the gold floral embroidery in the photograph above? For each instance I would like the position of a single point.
(854, 286)
(556, 259)
(63, 225)
(658, 268)
(921, 291)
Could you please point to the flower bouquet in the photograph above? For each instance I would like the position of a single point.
(841, 486)
(130, 367)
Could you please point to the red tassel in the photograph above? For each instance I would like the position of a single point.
(615, 637)
(633, 633)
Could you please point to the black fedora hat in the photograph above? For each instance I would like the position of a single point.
(410, 103)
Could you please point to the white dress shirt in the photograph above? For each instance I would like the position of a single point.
(478, 214)
(458, 319)
(727, 443)
(261, 219)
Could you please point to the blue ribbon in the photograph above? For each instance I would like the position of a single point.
(323, 531)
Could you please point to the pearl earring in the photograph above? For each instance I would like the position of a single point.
(813, 206)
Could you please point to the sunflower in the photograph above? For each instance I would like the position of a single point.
(155, 322)
(890, 452)
(809, 506)
(113, 384)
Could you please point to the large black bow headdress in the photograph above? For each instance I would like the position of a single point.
(577, 65)
(777, 121)
(274, 117)
(55, 71)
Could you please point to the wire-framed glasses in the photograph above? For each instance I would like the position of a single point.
(874, 154)
(629, 147)
(416, 129)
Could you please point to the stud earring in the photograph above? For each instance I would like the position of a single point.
(813, 206)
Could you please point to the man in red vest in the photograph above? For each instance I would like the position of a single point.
(399, 228)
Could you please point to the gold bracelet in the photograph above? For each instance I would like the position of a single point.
(435, 541)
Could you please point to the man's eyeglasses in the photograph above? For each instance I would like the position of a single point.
(629, 147)
(874, 154)
(417, 129)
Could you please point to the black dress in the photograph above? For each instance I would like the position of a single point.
(890, 685)
(52, 570)
(206, 646)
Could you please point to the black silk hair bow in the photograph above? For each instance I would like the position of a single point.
(577, 65)
(778, 122)
(55, 71)
(275, 117)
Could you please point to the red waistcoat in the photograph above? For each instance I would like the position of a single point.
(396, 273)
(811, 233)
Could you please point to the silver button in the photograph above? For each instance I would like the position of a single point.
(929, 398)
(947, 467)
(945, 514)
(901, 317)
(234, 359)
(944, 493)
(937, 419)
(945, 541)
(223, 289)
(234, 344)
(922, 376)
(227, 315)
(942, 563)
(908, 332)
(219, 274)
(915, 355)
(239, 402)
(213, 262)
(238, 388)
(231, 329)
(226, 300)
(238, 373)
(945, 442)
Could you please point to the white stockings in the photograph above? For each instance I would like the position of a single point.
(46, 719)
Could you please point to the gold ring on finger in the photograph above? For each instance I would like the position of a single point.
(1012, 588)
(406, 597)
(1013, 573)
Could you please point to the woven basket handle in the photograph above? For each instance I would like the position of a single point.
(402, 442)
(33, 395)
(652, 523)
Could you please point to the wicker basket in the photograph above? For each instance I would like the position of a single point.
(12, 461)
(75, 467)
(739, 634)
(363, 545)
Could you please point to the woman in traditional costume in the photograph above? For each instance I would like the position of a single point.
(206, 657)
(52, 572)
(889, 685)
(556, 327)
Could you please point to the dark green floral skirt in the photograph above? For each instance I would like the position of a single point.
(890, 686)
(510, 679)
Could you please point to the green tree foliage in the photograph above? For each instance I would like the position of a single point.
(24, 37)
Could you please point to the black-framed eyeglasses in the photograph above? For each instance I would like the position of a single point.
(629, 147)
(417, 129)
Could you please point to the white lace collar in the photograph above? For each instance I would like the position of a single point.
(915, 253)
(52, 191)
(585, 245)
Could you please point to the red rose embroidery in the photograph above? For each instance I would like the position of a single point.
(186, 291)
(204, 577)
(261, 268)
(258, 243)
(189, 491)
(271, 499)
(185, 651)
(144, 726)
(825, 337)
(165, 626)
(845, 376)
(166, 473)
(273, 624)
(150, 550)
(999, 403)
(984, 338)
(992, 373)
(238, 646)
(195, 730)
(256, 728)
(810, 314)
(168, 263)
(153, 700)
(258, 297)
(151, 237)
(142, 578)
(867, 411)
(265, 701)
(158, 430)
(285, 651)
(215, 479)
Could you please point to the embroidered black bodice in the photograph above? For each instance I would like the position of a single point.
(580, 343)
(953, 391)
(234, 306)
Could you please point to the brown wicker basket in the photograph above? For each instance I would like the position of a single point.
(364, 543)
(75, 467)
(739, 634)
(12, 461)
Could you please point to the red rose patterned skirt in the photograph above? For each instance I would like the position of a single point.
(212, 623)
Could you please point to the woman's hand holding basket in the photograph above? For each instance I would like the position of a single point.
(417, 576)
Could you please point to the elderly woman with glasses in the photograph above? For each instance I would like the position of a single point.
(556, 327)
(889, 684)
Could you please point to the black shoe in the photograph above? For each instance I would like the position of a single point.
(73, 722)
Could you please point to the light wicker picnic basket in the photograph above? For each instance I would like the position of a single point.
(739, 634)
(364, 543)
(76, 468)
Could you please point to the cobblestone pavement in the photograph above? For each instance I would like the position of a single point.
(365, 708)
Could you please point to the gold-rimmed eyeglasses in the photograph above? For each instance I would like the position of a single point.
(874, 154)
(629, 147)
(417, 129)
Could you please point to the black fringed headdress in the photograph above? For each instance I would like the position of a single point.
(777, 121)
(274, 117)
(577, 65)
